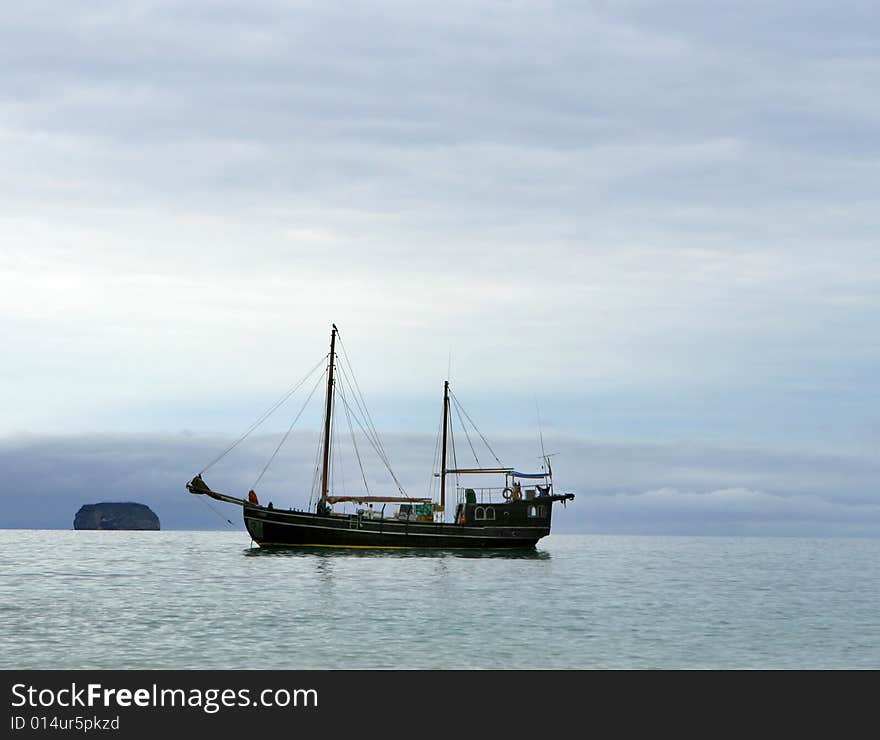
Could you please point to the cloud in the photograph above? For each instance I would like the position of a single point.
(735, 511)
(620, 488)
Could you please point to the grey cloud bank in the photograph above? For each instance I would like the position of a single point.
(621, 488)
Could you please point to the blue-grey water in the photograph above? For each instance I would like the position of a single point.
(202, 600)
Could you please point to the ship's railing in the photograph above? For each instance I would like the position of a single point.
(484, 495)
(495, 494)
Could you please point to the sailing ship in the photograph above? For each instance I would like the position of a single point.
(514, 515)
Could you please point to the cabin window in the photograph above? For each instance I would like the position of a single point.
(490, 514)
(537, 512)
(479, 513)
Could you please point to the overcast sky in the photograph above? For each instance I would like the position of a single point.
(659, 219)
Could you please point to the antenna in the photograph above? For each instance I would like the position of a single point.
(540, 433)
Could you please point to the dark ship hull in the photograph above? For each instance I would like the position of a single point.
(513, 528)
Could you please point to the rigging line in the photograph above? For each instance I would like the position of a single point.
(331, 454)
(314, 489)
(485, 441)
(345, 382)
(356, 392)
(454, 456)
(436, 459)
(396, 481)
(358, 387)
(452, 440)
(353, 439)
(289, 430)
(381, 457)
(371, 434)
(216, 512)
(337, 462)
(266, 414)
(464, 426)
(314, 485)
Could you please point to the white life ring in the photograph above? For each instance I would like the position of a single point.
(507, 493)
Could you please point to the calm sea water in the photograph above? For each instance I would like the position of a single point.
(208, 600)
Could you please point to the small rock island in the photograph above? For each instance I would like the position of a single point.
(116, 516)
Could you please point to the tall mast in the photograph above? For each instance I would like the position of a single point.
(443, 453)
(328, 415)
